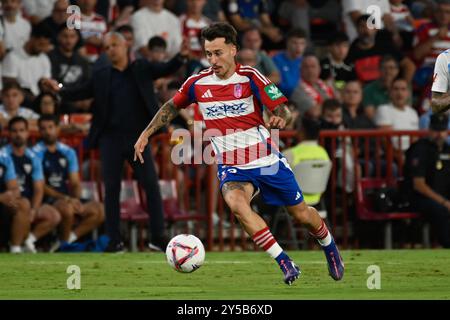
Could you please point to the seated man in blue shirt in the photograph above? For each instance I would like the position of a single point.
(31, 182)
(14, 210)
(63, 187)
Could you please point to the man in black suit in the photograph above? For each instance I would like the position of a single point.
(124, 102)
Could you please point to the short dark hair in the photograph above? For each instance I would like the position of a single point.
(48, 117)
(337, 38)
(125, 28)
(10, 85)
(38, 100)
(220, 30)
(331, 105)
(387, 58)
(399, 78)
(310, 128)
(41, 30)
(296, 33)
(15, 120)
(362, 18)
(156, 42)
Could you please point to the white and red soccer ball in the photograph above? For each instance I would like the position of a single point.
(185, 253)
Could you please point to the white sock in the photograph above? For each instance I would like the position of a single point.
(73, 237)
(15, 249)
(325, 241)
(31, 237)
(265, 240)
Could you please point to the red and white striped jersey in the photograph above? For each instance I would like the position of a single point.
(427, 31)
(234, 108)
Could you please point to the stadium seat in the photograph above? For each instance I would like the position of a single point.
(365, 208)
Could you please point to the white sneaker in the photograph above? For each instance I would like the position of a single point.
(29, 246)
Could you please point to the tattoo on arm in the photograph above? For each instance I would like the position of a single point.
(283, 111)
(440, 102)
(166, 114)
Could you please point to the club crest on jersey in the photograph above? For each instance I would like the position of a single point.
(27, 167)
(238, 90)
(62, 162)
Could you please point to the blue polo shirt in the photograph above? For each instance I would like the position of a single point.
(290, 72)
(7, 171)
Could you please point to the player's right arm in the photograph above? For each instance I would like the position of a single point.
(163, 117)
(440, 99)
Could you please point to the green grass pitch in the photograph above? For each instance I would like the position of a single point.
(405, 274)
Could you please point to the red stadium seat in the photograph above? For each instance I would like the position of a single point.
(365, 207)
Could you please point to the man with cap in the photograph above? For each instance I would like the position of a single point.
(427, 177)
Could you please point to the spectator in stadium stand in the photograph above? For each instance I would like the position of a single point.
(376, 92)
(334, 69)
(29, 64)
(333, 119)
(289, 61)
(293, 14)
(431, 39)
(93, 28)
(243, 15)
(16, 29)
(367, 51)
(12, 98)
(124, 101)
(252, 39)
(115, 12)
(46, 103)
(58, 17)
(192, 22)
(153, 20)
(424, 122)
(212, 10)
(157, 49)
(37, 10)
(30, 176)
(14, 210)
(353, 110)
(63, 187)
(352, 10)
(404, 22)
(427, 177)
(311, 92)
(398, 115)
(68, 67)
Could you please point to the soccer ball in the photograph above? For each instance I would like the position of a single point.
(185, 253)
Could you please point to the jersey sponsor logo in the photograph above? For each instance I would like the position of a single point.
(62, 162)
(27, 168)
(273, 92)
(238, 90)
(225, 110)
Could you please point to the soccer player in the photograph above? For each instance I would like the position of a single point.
(31, 182)
(231, 97)
(440, 98)
(63, 188)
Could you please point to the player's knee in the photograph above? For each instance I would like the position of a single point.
(236, 202)
(300, 212)
(24, 205)
(53, 216)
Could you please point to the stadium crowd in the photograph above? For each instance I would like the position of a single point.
(324, 55)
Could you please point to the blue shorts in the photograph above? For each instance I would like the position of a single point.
(276, 183)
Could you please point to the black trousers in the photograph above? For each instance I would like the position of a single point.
(114, 150)
(437, 215)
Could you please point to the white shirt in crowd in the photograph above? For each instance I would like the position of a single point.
(398, 119)
(27, 69)
(362, 5)
(22, 112)
(147, 24)
(38, 8)
(441, 78)
(16, 34)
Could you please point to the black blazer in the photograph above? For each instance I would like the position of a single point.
(98, 87)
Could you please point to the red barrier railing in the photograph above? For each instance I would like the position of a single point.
(353, 153)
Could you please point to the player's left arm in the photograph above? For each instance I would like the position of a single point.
(280, 117)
